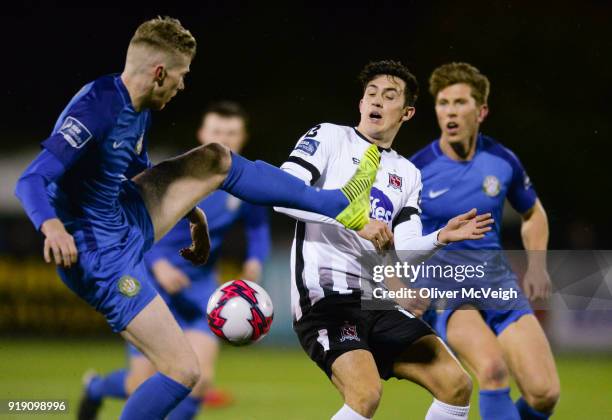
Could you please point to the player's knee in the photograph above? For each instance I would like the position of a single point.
(186, 371)
(364, 399)
(542, 397)
(214, 158)
(493, 373)
(456, 388)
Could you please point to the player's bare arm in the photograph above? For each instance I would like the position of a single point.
(534, 233)
(171, 278)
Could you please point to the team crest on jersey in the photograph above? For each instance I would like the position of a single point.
(308, 146)
(348, 332)
(129, 286)
(395, 181)
(381, 207)
(491, 186)
(75, 132)
(138, 148)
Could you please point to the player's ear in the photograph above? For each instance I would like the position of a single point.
(160, 75)
(408, 113)
(483, 112)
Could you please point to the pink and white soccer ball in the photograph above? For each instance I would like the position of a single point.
(240, 312)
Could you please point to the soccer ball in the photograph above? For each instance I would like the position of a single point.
(240, 312)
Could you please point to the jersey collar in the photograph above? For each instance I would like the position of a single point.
(438, 150)
(380, 149)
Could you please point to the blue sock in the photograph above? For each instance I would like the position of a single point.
(186, 410)
(111, 385)
(154, 399)
(496, 404)
(527, 412)
(267, 185)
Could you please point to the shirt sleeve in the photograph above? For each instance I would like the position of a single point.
(84, 121)
(257, 230)
(308, 160)
(521, 194)
(31, 188)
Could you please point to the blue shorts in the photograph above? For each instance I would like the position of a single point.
(114, 280)
(496, 314)
(188, 306)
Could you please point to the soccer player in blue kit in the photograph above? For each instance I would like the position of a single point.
(464, 169)
(185, 287)
(94, 194)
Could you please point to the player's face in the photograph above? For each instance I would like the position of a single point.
(383, 106)
(229, 131)
(169, 80)
(459, 116)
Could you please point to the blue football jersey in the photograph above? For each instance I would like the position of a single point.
(101, 141)
(223, 210)
(452, 187)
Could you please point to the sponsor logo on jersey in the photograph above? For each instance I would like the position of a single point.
(138, 148)
(348, 332)
(395, 181)
(308, 146)
(437, 193)
(129, 286)
(75, 132)
(381, 207)
(491, 186)
(117, 144)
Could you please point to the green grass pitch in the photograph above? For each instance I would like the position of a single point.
(268, 383)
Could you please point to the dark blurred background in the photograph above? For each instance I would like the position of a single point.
(296, 65)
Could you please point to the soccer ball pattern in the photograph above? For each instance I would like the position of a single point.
(240, 312)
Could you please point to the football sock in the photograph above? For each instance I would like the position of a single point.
(186, 410)
(261, 183)
(527, 412)
(442, 411)
(347, 413)
(154, 398)
(496, 404)
(111, 385)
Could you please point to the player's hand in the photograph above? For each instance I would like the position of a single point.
(537, 284)
(59, 244)
(466, 226)
(378, 233)
(199, 250)
(417, 305)
(251, 270)
(169, 277)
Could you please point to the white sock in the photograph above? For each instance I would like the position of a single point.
(443, 411)
(347, 413)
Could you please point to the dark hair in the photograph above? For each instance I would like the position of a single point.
(453, 73)
(227, 109)
(391, 68)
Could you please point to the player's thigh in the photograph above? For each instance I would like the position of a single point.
(355, 374)
(140, 369)
(530, 358)
(429, 363)
(477, 347)
(155, 332)
(173, 187)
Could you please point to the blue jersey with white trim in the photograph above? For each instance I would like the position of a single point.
(452, 187)
(101, 141)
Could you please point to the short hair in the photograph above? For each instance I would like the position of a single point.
(227, 109)
(391, 68)
(453, 73)
(167, 34)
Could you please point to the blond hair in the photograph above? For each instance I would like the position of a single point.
(453, 73)
(167, 34)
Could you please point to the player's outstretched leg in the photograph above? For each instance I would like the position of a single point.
(173, 187)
